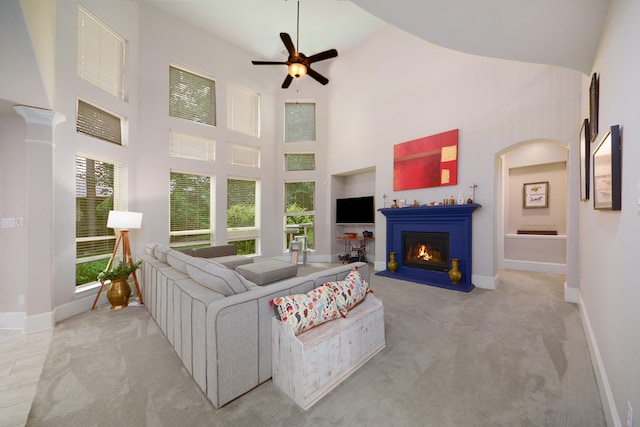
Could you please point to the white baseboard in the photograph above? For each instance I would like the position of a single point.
(571, 294)
(484, 282)
(78, 306)
(20, 320)
(606, 395)
(12, 320)
(540, 267)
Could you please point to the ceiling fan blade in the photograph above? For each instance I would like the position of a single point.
(319, 77)
(331, 53)
(286, 39)
(268, 62)
(287, 81)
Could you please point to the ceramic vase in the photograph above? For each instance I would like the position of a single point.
(392, 265)
(455, 275)
(119, 293)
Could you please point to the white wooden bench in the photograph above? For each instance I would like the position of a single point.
(306, 367)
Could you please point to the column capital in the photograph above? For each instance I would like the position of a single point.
(39, 116)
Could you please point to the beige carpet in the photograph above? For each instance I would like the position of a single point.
(516, 356)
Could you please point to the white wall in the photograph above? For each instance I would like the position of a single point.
(610, 240)
(408, 88)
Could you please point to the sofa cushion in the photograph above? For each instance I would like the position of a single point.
(269, 271)
(232, 261)
(160, 252)
(215, 251)
(217, 277)
(305, 311)
(178, 260)
(150, 249)
(349, 292)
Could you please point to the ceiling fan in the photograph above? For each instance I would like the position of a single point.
(298, 63)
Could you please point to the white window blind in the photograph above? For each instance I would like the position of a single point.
(191, 146)
(97, 192)
(243, 110)
(95, 122)
(101, 54)
(191, 97)
(299, 161)
(243, 155)
(300, 122)
(190, 215)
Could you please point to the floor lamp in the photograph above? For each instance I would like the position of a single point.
(123, 221)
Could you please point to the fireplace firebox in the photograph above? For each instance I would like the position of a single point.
(426, 239)
(428, 251)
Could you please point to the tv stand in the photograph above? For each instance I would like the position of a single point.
(355, 248)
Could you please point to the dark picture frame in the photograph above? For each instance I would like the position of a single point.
(535, 195)
(585, 160)
(594, 103)
(607, 168)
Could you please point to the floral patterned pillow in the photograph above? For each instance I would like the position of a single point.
(304, 311)
(350, 291)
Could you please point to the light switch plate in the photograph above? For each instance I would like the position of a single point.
(8, 223)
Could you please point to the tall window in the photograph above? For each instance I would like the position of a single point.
(97, 192)
(243, 110)
(300, 122)
(300, 208)
(190, 210)
(192, 97)
(101, 54)
(98, 123)
(242, 222)
(299, 162)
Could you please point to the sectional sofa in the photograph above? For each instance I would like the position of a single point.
(218, 322)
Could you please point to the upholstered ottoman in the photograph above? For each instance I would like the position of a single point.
(264, 272)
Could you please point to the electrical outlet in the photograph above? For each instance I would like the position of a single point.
(20, 299)
(629, 414)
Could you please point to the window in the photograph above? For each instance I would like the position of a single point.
(98, 123)
(243, 155)
(190, 214)
(242, 222)
(97, 192)
(101, 54)
(191, 146)
(243, 110)
(299, 162)
(300, 122)
(192, 97)
(299, 208)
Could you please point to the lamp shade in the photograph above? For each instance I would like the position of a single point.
(297, 70)
(124, 220)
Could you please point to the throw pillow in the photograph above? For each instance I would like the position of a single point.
(350, 291)
(304, 311)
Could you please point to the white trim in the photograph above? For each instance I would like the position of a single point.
(608, 402)
(571, 294)
(39, 322)
(484, 282)
(12, 320)
(79, 306)
(540, 267)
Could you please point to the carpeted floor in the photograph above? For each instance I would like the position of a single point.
(516, 356)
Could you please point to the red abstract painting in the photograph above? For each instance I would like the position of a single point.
(431, 161)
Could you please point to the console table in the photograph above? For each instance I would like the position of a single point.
(355, 248)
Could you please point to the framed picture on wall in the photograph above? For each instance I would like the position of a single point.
(536, 195)
(607, 177)
(585, 160)
(594, 101)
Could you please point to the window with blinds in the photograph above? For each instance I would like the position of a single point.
(243, 110)
(299, 122)
(299, 162)
(190, 215)
(101, 54)
(192, 97)
(242, 225)
(243, 155)
(191, 146)
(300, 209)
(97, 123)
(97, 192)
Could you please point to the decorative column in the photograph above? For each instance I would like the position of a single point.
(39, 219)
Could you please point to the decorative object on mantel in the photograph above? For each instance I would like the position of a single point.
(455, 275)
(392, 265)
(395, 204)
(607, 175)
(431, 161)
(473, 193)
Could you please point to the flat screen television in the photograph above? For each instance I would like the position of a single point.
(355, 210)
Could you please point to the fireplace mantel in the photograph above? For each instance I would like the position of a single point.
(456, 220)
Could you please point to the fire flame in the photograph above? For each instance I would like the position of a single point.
(424, 254)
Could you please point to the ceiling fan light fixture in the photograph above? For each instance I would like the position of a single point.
(297, 70)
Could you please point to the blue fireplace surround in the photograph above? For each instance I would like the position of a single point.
(456, 220)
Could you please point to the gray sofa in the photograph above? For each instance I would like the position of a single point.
(218, 322)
